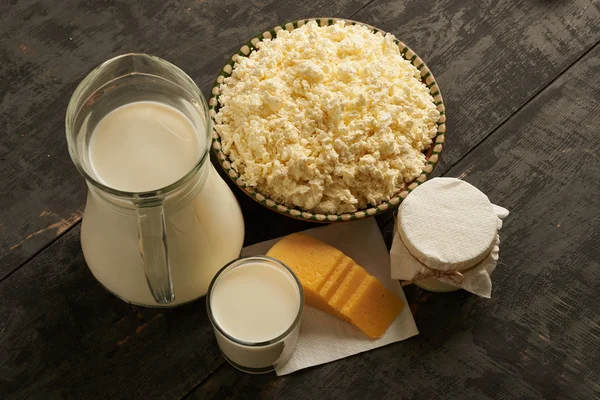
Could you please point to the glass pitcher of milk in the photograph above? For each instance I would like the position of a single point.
(159, 222)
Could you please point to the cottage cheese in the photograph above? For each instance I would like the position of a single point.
(328, 119)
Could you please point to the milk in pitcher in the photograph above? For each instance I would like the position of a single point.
(145, 146)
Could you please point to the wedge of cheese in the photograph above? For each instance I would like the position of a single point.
(334, 283)
(347, 287)
(372, 308)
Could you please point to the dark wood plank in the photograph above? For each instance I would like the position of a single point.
(63, 336)
(47, 47)
(482, 86)
(34, 186)
(489, 57)
(538, 336)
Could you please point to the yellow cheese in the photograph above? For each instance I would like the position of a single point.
(334, 283)
(313, 262)
(372, 308)
(347, 287)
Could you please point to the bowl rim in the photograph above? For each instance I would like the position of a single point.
(432, 155)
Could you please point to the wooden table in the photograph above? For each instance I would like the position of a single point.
(521, 81)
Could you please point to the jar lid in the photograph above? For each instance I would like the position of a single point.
(448, 224)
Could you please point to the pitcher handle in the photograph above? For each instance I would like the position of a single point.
(152, 241)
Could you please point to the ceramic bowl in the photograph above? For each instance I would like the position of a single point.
(432, 154)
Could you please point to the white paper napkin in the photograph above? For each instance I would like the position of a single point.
(324, 338)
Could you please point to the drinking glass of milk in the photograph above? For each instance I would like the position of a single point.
(159, 222)
(255, 305)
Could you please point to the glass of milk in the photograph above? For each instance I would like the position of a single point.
(159, 222)
(255, 305)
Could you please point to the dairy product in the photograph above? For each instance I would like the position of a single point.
(335, 279)
(311, 260)
(347, 287)
(143, 146)
(255, 305)
(328, 119)
(255, 302)
(335, 284)
(372, 308)
(201, 240)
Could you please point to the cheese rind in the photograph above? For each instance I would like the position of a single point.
(334, 283)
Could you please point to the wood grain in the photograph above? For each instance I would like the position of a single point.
(64, 336)
(47, 47)
(489, 57)
(538, 336)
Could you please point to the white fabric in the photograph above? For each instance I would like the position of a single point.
(460, 221)
(324, 338)
(447, 224)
